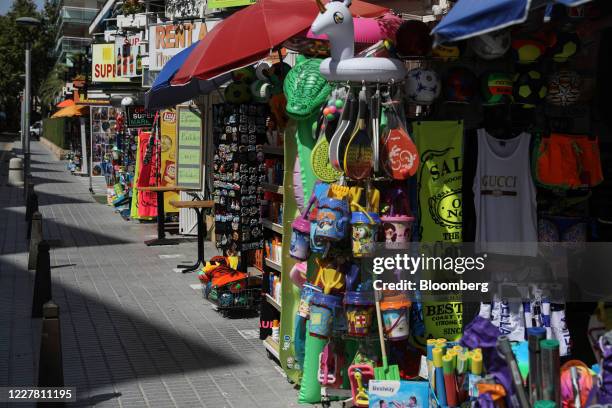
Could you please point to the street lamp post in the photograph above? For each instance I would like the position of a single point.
(27, 22)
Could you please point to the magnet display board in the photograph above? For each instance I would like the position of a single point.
(189, 147)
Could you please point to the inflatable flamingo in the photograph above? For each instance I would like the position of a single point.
(335, 20)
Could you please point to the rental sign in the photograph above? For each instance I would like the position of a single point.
(167, 40)
(104, 64)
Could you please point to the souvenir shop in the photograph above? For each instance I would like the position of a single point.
(373, 136)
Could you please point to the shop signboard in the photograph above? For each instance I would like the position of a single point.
(215, 4)
(167, 40)
(103, 65)
(167, 126)
(189, 148)
(128, 58)
(138, 117)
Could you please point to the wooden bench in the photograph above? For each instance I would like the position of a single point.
(198, 206)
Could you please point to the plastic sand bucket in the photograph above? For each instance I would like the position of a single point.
(298, 274)
(359, 310)
(397, 222)
(322, 310)
(394, 310)
(332, 220)
(307, 291)
(364, 233)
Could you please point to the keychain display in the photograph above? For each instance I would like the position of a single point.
(238, 170)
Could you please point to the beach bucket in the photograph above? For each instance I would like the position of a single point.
(364, 233)
(359, 310)
(322, 310)
(307, 291)
(394, 310)
(397, 222)
(298, 274)
(332, 220)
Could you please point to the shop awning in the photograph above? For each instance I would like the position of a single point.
(470, 18)
(249, 35)
(70, 111)
(162, 94)
(65, 103)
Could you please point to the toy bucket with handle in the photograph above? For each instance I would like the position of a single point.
(307, 291)
(395, 310)
(364, 233)
(300, 235)
(359, 308)
(332, 220)
(397, 221)
(322, 310)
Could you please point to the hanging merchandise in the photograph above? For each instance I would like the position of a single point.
(496, 88)
(422, 86)
(238, 170)
(564, 88)
(397, 218)
(566, 162)
(503, 185)
(335, 20)
(529, 88)
(413, 39)
(400, 158)
(447, 52)
(460, 85)
(528, 50)
(491, 46)
(564, 46)
(319, 158)
(357, 163)
(440, 212)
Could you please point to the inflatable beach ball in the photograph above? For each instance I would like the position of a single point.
(496, 88)
(491, 46)
(448, 52)
(564, 88)
(529, 88)
(422, 86)
(460, 85)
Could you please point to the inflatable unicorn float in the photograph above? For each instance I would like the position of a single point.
(336, 21)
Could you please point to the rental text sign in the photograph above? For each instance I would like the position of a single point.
(167, 40)
(103, 66)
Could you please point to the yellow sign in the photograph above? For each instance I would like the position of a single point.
(103, 65)
(168, 155)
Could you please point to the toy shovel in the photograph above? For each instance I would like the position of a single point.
(386, 372)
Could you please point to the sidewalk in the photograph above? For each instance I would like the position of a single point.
(134, 333)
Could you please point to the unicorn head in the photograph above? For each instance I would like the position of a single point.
(336, 21)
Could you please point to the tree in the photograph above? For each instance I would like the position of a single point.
(12, 43)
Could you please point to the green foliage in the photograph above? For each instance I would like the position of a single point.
(12, 44)
(54, 131)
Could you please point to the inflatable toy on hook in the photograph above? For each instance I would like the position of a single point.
(335, 20)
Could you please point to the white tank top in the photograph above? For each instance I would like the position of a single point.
(505, 196)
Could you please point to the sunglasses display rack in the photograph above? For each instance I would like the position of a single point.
(238, 171)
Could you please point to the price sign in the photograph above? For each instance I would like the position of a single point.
(189, 148)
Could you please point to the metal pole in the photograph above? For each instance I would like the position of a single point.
(26, 154)
(23, 123)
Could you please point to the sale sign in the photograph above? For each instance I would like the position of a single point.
(103, 65)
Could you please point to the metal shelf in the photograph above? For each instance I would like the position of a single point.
(273, 302)
(272, 226)
(276, 266)
(272, 347)
(279, 151)
(273, 188)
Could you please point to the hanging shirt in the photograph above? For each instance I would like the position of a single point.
(505, 196)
